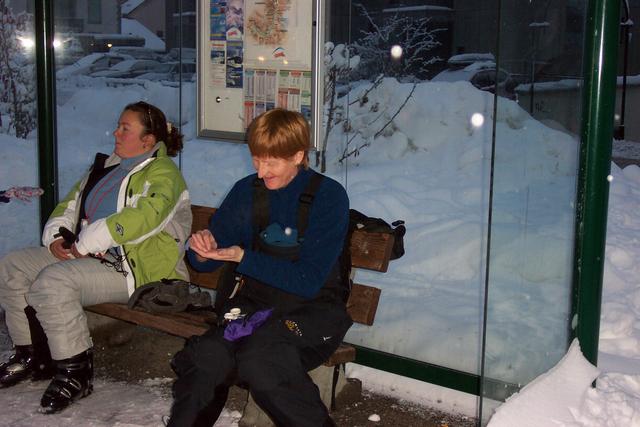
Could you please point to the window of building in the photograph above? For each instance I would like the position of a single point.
(94, 12)
(65, 9)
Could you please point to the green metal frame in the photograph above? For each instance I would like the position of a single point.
(47, 149)
(600, 65)
(433, 374)
(591, 211)
(451, 378)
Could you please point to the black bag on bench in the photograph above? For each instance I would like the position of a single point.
(169, 296)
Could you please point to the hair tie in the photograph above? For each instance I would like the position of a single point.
(169, 127)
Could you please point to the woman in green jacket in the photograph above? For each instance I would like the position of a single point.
(121, 226)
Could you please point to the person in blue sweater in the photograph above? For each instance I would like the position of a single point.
(281, 233)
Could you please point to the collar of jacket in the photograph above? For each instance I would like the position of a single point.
(158, 150)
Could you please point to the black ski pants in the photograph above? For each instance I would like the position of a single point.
(272, 363)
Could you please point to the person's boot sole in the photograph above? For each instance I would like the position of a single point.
(47, 410)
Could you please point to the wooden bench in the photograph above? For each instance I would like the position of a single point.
(368, 250)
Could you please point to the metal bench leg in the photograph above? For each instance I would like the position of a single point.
(334, 384)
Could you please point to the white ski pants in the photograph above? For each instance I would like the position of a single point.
(57, 290)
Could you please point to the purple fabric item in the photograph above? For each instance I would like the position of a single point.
(239, 328)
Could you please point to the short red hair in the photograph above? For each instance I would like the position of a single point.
(279, 133)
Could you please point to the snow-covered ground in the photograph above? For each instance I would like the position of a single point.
(431, 168)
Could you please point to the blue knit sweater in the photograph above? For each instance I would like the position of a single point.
(323, 240)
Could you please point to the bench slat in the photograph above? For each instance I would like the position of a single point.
(201, 217)
(371, 250)
(361, 306)
(186, 325)
(165, 322)
(363, 303)
(205, 280)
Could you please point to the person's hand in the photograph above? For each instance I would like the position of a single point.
(232, 253)
(205, 246)
(202, 242)
(75, 252)
(59, 251)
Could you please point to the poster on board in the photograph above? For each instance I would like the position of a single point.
(253, 56)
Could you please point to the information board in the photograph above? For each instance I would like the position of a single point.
(253, 56)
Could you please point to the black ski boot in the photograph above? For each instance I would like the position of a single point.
(24, 364)
(73, 380)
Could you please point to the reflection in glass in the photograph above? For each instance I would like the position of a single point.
(109, 56)
(534, 189)
(415, 132)
(415, 149)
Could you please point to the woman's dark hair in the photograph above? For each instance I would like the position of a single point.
(155, 123)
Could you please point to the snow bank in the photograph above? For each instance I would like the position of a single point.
(550, 398)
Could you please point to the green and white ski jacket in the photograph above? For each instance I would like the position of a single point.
(150, 226)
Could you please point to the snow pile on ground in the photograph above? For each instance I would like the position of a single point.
(614, 402)
(619, 331)
(559, 391)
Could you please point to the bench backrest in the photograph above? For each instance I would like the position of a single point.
(370, 251)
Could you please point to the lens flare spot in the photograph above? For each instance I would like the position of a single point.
(477, 120)
(396, 51)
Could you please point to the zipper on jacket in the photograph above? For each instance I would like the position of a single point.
(125, 253)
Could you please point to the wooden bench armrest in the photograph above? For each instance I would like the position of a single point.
(371, 250)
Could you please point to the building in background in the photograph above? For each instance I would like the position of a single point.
(80, 16)
(150, 13)
(181, 24)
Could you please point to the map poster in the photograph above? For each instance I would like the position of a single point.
(278, 32)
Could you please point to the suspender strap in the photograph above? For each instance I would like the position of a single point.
(260, 206)
(305, 202)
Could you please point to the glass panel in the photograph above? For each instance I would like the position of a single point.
(534, 189)
(132, 54)
(94, 11)
(405, 79)
(20, 219)
(210, 167)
